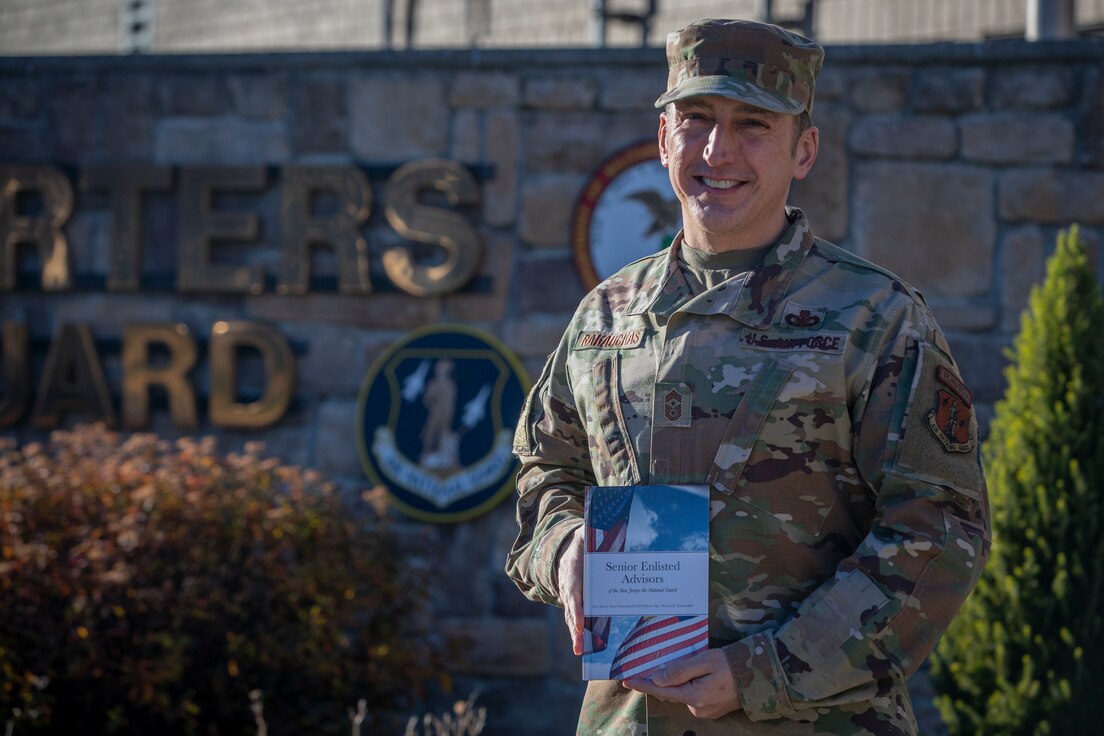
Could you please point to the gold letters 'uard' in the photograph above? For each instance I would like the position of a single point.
(73, 380)
(17, 379)
(139, 375)
(227, 338)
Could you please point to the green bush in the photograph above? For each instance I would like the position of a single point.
(1024, 656)
(149, 586)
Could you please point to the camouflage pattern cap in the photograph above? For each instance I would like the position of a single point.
(756, 63)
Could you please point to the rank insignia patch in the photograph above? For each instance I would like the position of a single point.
(672, 406)
(950, 419)
(673, 402)
(435, 422)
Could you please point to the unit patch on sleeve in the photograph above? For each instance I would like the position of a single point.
(949, 420)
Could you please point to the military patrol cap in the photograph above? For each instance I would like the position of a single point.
(756, 63)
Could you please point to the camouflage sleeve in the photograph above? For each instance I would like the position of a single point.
(874, 622)
(551, 443)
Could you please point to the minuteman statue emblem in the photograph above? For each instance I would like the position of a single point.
(436, 421)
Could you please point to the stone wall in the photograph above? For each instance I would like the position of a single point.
(951, 165)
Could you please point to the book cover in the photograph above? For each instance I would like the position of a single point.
(645, 578)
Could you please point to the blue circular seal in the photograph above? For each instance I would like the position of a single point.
(435, 422)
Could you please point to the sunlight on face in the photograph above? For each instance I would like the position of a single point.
(731, 165)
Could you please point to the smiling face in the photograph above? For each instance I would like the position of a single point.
(731, 165)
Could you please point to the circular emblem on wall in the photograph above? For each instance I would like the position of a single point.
(435, 422)
(626, 211)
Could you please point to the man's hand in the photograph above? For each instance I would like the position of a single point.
(569, 580)
(702, 681)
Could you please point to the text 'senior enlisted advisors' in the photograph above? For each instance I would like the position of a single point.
(810, 390)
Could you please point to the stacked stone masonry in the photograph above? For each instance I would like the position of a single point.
(954, 166)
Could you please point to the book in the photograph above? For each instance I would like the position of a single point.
(645, 578)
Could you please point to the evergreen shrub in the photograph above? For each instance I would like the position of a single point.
(1024, 656)
(149, 586)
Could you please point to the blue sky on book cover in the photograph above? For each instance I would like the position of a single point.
(655, 518)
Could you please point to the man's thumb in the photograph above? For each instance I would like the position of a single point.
(662, 676)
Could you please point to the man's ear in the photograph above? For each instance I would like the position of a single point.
(663, 138)
(808, 145)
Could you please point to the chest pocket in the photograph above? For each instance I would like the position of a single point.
(786, 448)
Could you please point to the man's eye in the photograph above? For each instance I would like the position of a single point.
(756, 123)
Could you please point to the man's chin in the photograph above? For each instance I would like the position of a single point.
(719, 218)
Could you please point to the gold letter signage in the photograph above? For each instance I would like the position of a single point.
(139, 375)
(17, 382)
(302, 229)
(199, 225)
(125, 185)
(73, 381)
(320, 206)
(226, 339)
(42, 230)
(204, 227)
(419, 222)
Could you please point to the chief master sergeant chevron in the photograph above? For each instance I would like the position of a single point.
(810, 390)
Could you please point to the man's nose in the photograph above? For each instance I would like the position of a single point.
(721, 145)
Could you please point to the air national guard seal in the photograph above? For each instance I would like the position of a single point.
(435, 422)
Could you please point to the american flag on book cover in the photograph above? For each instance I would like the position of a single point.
(596, 633)
(607, 526)
(658, 639)
(608, 518)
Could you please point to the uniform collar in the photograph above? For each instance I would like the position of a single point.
(754, 301)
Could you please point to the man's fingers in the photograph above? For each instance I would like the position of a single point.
(569, 619)
(648, 688)
(701, 681)
(573, 615)
(570, 574)
(686, 669)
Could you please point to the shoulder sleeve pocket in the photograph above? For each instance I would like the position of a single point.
(531, 412)
(937, 440)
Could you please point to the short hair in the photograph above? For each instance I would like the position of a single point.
(802, 122)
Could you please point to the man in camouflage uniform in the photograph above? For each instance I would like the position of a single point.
(811, 391)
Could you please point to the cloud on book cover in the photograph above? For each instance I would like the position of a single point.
(642, 527)
(695, 543)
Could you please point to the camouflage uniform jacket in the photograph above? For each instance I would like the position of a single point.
(817, 398)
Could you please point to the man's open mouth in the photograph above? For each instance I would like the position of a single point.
(719, 183)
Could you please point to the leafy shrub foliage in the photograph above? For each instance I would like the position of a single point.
(1024, 656)
(148, 586)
